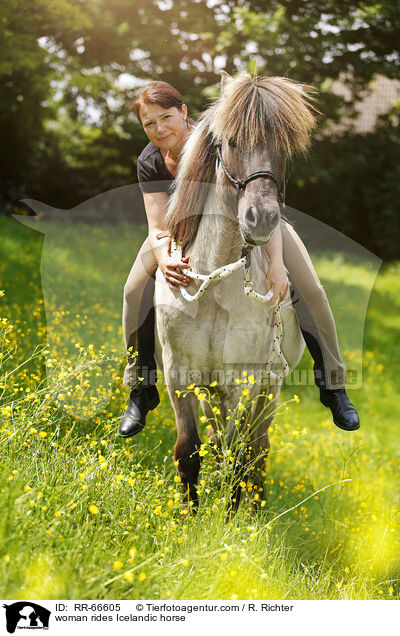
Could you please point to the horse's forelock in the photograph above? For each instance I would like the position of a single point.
(274, 111)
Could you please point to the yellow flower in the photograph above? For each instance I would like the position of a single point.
(224, 556)
(142, 577)
(117, 565)
(93, 509)
(185, 563)
(57, 514)
(129, 576)
(42, 434)
(82, 476)
(214, 383)
(7, 558)
(132, 552)
(296, 398)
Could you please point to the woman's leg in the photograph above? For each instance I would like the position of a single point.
(313, 311)
(138, 326)
(318, 327)
(138, 315)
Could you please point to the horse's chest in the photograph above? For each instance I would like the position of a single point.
(227, 328)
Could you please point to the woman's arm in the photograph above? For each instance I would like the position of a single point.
(155, 204)
(276, 275)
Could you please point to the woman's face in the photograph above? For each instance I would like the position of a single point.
(165, 127)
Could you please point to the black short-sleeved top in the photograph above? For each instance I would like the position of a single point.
(153, 174)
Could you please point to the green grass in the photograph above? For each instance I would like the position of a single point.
(87, 515)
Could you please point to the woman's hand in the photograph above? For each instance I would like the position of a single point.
(171, 269)
(277, 279)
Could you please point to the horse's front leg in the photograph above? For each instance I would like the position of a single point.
(263, 415)
(187, 444)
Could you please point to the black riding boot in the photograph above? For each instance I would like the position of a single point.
(144, 397)
(344, 414)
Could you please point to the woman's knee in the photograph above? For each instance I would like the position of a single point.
(133, 292)
(314, 293)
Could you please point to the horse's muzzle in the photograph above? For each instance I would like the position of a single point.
(258, 226)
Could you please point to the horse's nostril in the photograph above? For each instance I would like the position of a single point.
(274, 219)
(250, 215)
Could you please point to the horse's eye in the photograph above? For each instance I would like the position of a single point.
(232, 143)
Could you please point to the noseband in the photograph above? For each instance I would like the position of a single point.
(240, 184)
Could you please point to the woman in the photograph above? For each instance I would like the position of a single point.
(161, 111)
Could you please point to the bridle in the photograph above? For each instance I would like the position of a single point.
(240, 184)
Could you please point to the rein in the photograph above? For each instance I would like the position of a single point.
(219, 274)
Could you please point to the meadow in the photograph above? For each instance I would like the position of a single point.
(86, 515)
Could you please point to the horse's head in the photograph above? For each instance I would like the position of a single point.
(252, 131)
(258, 123)
(257, 176)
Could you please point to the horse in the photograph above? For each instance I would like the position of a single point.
(220, 220)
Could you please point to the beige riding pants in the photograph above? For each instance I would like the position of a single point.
(309, 299)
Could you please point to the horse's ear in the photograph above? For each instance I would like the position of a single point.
(225, 80)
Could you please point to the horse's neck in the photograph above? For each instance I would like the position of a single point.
(218, 240)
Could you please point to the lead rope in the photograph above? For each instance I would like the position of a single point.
(248, 287)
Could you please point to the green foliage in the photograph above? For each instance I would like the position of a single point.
(66, 133)
(352, 182)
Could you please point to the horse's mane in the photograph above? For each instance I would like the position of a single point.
(274, 111)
